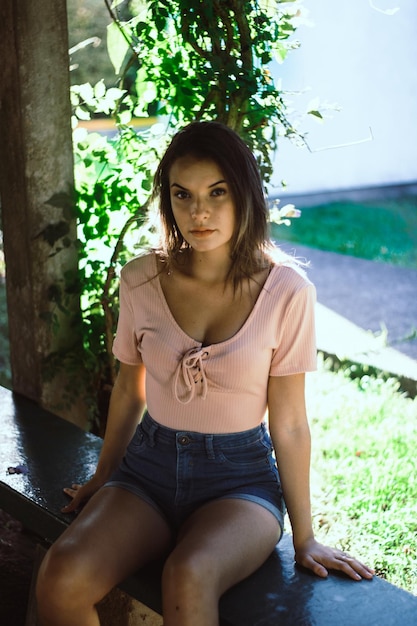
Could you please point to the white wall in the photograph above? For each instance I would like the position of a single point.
(365, 61)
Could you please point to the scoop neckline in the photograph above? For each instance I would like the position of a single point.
(219, 343)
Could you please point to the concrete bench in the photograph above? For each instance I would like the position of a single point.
(49, 452)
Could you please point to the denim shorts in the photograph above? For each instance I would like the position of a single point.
(178, 472)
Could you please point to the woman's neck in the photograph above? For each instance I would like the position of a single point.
(207, 267)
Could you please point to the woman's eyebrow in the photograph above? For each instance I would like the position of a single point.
(218, 183)
(212, 185)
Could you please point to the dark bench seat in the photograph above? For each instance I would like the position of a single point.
(51, 453)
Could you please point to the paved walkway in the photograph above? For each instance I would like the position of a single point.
(366, 312)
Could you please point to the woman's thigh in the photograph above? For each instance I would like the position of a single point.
(228, 539)
(114, 534)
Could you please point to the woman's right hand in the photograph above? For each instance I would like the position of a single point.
(80, 494)
(126, 406)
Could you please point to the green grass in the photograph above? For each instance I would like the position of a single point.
(364, 471)
(380, 231)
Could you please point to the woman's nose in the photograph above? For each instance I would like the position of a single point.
(198, 208)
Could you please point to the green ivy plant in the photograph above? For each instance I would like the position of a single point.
(176, 61)
(199, 60)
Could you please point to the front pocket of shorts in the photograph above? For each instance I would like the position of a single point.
(254, 455)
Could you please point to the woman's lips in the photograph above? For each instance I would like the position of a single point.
(206, 232)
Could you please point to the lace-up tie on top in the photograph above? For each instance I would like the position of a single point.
(190, 376)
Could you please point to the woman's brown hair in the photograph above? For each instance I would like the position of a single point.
(217, 142)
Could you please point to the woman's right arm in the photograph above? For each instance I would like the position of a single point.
(127, 403)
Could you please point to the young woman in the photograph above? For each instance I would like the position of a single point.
(224, 333)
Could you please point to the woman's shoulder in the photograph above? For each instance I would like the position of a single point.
(289, 271)
(141, 268)
(288, 286)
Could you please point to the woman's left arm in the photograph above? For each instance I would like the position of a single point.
(290, 435)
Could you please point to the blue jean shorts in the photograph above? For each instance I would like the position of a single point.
(178, 472)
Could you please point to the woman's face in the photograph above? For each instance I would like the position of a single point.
(202, 204)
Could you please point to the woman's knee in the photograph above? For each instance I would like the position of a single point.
(62, 578)
(189, 570)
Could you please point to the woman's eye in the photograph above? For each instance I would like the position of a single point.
(181, 195)
(219, 191)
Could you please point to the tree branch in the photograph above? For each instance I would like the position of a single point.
(106, 299)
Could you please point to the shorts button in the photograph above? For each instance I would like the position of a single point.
(184, 440)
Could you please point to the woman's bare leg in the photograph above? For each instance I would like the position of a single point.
(115, 534)
(220, 545)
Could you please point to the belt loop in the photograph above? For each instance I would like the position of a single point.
(153, 427)
(208, 439)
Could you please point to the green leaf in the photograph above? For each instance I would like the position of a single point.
(100, 89)
(117, 46)
(75, 98)
(114, 93)
(124, 117)
(82, 114)
(87, 93)
(146, 185)
(280, 52)
(150, 93)
(316, 114)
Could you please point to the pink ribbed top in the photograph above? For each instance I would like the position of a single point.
(220, 388)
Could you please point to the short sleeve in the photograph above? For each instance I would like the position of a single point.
(125, 345)
(296, 351)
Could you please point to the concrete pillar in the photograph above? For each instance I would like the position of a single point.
(38, 217)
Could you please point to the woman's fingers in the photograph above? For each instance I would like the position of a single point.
(78, 493)
(320, 559)
(352, 567)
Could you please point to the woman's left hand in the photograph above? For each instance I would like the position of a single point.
(320, 559)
